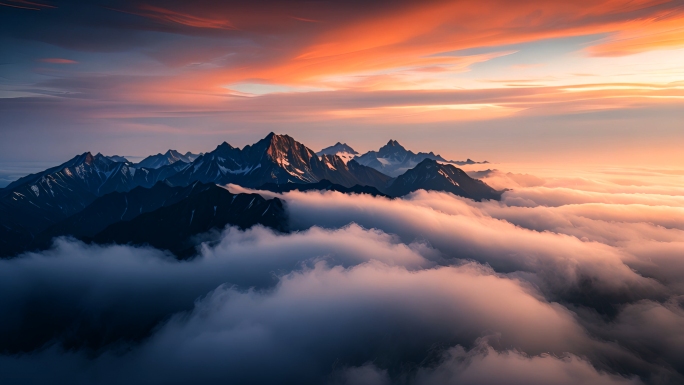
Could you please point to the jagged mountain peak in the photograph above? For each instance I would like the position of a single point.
(290, 154)
(429, 164)
(272, 142)
(393, 147)
(339, 149)
(275, 159)
(430, 174)
(117, 158)
(272, 139)
(393, 144)
(169, 157)
(99, 158)
(224, 146)
(394, 159)
(277, 145)
(280, 139)
(176, 156)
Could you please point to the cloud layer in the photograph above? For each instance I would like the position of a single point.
(427, 289)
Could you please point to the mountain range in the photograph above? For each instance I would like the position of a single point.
(167, 158)
(104, 199)
(393, 159)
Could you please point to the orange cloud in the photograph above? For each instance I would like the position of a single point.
(389, 64)
(415, 35)
(664, 31)
(384, 42)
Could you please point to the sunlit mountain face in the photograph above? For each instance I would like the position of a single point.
(342, 192)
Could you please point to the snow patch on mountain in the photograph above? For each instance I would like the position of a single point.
(344, 151)
(169, 157)
(393, 159)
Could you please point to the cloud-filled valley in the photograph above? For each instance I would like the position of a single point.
(218, 191)
(425, 289)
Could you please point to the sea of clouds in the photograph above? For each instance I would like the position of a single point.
(573, 279)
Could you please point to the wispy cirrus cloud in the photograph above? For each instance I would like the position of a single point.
(54, 60)
(23, 4)
(181, 18)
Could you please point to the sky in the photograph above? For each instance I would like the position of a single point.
(582, 82)
(575, 276)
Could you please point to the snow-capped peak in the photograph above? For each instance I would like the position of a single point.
(337, 148)
(343, 150)
(169, 157)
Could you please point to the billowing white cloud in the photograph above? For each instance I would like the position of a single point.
(426, 289)
(557, 263)
(484, 366)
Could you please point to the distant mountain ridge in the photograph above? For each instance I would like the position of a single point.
(89, 193)
(117, 158)
(173, 227)
(344, 151)
(275, 159)
(31, 204)
(393, 159)
(167, 158)
(433, 175)
(119, 206)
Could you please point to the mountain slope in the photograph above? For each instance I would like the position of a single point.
(432, 175)
(117, 158)
(275, 159)
(35, 202)
(169, 157)
(345, 152)
(393, 159)
(118, 206)
(173, 227)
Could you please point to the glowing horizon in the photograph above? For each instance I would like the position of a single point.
(594, 81)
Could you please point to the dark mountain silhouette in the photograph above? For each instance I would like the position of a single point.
(116, 207)
(117, 158)
(110, 199)
(173, 227)
(393, 159)
(167, 158)
(37, 201)
(432, 175)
